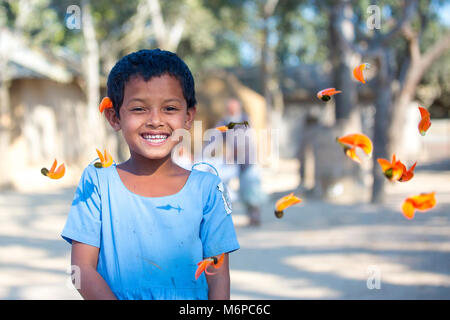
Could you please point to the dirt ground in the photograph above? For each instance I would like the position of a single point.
(318, 250)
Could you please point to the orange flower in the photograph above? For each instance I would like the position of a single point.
(105, 161)
(52, 174)
(425, 122)
(231, 125)
(326, 94)
(421, 202)
(222, 128)
(105, 104)
(357, 72)
(407, 174)
(351, 141)
(392, 170)
(285, 202)
(204, 264)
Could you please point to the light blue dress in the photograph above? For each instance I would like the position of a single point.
(150, 246)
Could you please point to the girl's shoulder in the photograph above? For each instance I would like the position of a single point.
(205, 179)
(96, 175)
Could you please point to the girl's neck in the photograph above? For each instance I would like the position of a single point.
(142, 166)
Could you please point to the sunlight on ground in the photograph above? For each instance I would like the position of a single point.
(274, 285)
(318, 250)
(359, 266)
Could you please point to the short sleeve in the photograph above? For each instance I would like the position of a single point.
(84, 221)
(217, 229)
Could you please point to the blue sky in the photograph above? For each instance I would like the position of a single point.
(444, 14)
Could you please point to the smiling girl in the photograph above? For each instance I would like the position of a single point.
(139, 228)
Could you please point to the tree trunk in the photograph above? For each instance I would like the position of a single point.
(5, 115)
(383, 107)
(96, 133)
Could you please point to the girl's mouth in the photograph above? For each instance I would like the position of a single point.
(155, 139)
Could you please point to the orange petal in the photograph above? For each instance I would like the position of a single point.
(397, 171)
(327, 92)
(100, 156)
(207, 272)
(59, 173)
(286, 202)
(108, 160)
(423, 201)
(358, 74)
(385, 165)
(424, 113)
(408, 209)
(219, 261)
(202, 267)
(105, 104)
(351, 153)
(358, 140)
(222, 128)
(408, 174)
(424, 125)
(52, 169)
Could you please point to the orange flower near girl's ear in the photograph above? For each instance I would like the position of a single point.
(352, 141)
(105, 104)
(392, 170)
(358, 74)
(326, 94)
(204, 264)
(422, 202)
(407, 174)
(284, 203)
(425, 122)
(105, 161)
(52, 174)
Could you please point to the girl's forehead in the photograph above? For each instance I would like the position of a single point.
(164, 82)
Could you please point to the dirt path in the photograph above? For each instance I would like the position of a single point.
(317, 250)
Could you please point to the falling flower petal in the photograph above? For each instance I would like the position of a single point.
(351, 153)
(425, 122)
(231, 125)
(222, 128)
(285, 202)
(392, 170)
(407, 174)
(105, 160)
(358, 72)
(326, 94)
(52, 174)
(105, 104)
(422, 202)
(351, 141)
(215, 262)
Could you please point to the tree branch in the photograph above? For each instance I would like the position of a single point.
(408, 12)
(159, 28)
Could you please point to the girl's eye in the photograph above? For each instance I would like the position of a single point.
(137, 109)
(170, 108)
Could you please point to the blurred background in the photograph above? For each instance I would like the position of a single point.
(274, 56)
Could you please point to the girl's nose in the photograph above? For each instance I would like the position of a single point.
(154, 119)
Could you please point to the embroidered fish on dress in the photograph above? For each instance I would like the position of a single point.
(168, 207)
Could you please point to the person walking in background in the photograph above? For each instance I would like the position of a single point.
(250, 191)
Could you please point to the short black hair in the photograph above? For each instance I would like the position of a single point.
(148, 64)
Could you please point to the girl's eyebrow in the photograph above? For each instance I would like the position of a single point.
(135, 99)
(165, 101)
(172, 99)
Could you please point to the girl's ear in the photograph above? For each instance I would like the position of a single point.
(112, 118)
(190, 117)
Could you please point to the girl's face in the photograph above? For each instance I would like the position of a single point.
(151, 111)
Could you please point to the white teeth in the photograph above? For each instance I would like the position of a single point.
(147, 136)
(156, 138)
